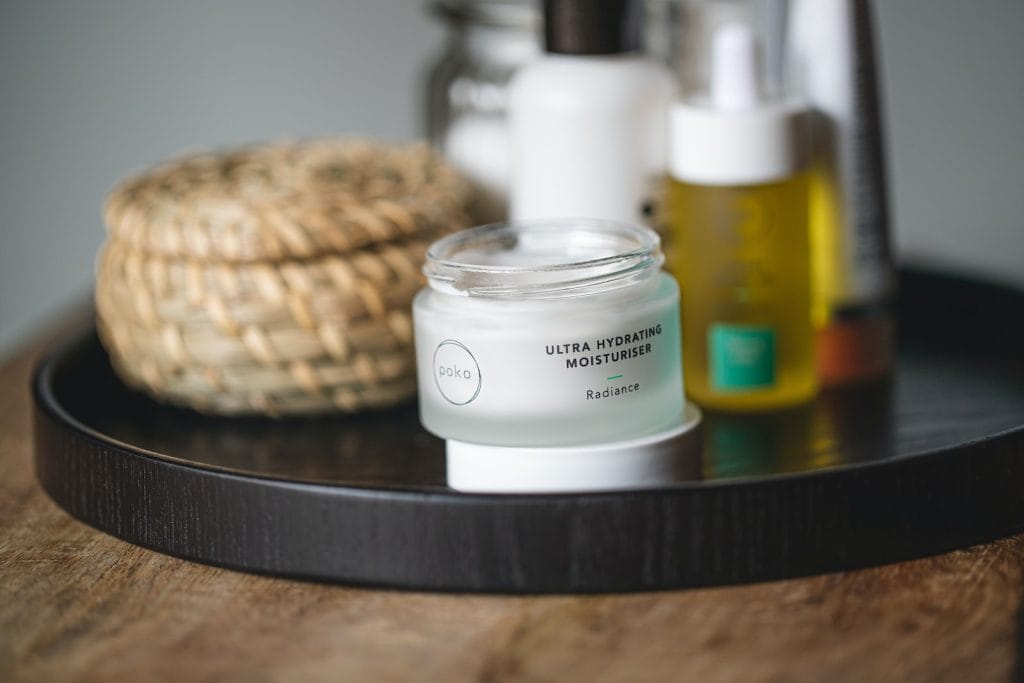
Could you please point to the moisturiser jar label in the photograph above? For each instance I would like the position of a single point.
(548, 333)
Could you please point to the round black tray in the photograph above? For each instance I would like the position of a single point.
(929, 461)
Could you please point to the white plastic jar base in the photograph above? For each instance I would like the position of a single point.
(645, 462)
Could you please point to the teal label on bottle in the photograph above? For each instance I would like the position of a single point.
(742, 357)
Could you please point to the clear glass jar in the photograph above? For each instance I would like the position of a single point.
(548, 333)
(488, 40)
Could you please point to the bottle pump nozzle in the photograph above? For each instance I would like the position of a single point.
(735, 68)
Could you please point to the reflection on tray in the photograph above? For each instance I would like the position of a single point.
(384, 448)
(841, 427)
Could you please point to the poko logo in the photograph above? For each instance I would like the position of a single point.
(456, 372)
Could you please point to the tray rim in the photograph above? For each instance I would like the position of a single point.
(684, 535)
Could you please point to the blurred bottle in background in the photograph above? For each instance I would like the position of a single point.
(466, 89)
(834, 63)
(466, 98)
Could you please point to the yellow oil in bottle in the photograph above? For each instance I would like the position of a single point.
(741, 254)
(827, 269)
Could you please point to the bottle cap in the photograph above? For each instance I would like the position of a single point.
(652, 461)
(593, 27)
(735, 136)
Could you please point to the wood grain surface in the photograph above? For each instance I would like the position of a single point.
(76, 604)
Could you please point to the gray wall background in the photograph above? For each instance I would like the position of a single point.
(90, 91)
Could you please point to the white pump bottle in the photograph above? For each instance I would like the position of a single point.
(589, 119)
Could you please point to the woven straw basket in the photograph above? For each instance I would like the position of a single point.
(274, 279)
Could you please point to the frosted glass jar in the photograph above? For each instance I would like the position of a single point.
(548, 333)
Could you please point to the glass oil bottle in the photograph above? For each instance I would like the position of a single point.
(739, 235)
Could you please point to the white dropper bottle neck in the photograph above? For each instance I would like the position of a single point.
(736, 135)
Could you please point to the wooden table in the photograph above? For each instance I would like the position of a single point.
(76, 604)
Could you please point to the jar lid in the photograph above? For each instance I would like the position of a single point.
(287, 200)
(651, 461)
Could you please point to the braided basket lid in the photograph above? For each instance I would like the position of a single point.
(275, 279)
(291, 200)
